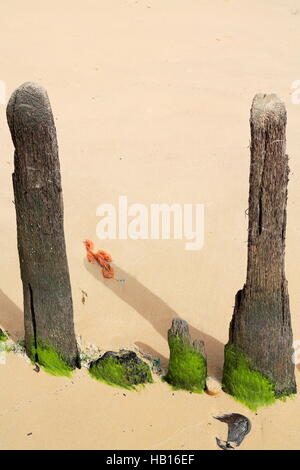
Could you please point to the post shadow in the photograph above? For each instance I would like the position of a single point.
(11, 317)
(157, 312)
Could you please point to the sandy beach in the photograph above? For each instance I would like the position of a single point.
(151, 100)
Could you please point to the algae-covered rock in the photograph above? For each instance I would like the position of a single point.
(187, 365)
(123, 369)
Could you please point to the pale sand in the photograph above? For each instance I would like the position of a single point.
(166, 86)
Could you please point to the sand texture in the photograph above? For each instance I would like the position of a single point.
(151, 100)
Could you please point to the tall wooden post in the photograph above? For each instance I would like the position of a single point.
(258, 357)
(48, 310)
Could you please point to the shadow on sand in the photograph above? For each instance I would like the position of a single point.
(11, 317)
(157, 313)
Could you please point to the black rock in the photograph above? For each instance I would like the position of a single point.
(134, 370)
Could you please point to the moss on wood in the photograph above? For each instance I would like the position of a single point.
(244, 383)
(50, 359)
(187, 367)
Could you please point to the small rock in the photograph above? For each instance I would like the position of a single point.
(213, 386)
(131, 370)
(83, 297)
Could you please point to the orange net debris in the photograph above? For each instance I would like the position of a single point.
(100, 257)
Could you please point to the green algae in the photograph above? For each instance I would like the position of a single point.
(50, 359)
(245, 384)
(123, 371)
(187, 368)
(3, 336)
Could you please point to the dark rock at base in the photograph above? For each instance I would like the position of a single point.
(123, 368)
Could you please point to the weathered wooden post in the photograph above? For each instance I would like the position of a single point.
(187, 365)
(48, 311)
(258, 357)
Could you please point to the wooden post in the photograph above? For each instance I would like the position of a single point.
(48, 310)
(187, 365)
(260, 337)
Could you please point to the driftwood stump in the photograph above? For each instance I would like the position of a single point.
(48, 309)
(187, 365)
(261, 325)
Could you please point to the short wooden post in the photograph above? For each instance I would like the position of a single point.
(187, 365)
(48, 310)
(258, 356)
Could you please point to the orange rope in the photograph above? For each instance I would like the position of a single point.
(101, 257)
